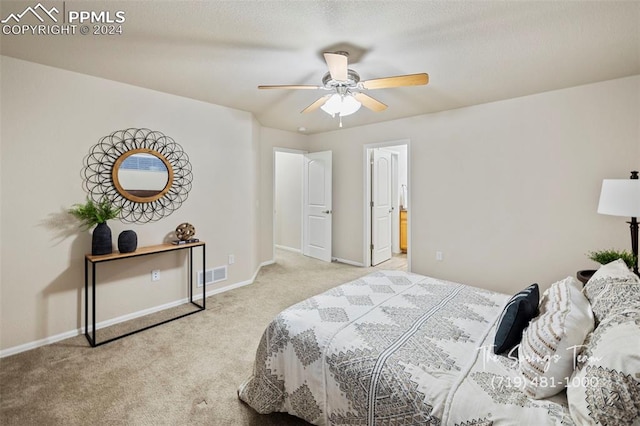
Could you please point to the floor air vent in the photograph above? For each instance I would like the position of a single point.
(213, 275)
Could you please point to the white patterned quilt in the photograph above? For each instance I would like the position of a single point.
(393, 348)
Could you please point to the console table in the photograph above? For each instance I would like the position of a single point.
(142, 251)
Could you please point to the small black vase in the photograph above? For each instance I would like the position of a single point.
(101, 240)
(127, 241)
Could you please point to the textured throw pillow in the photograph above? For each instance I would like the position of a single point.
(515, 317)
(547, 353)
(612, 287)
(605, 387)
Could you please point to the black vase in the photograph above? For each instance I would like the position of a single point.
(127, 241)
(101, 240)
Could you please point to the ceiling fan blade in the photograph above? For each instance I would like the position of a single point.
(289, 86)
(337, 64)
(317, 104)
(401, 80)
(369, 102)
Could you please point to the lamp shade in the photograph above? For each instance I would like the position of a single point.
(341, 105)
(620, 197)
(349, 105)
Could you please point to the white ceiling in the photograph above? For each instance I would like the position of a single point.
(473, 51)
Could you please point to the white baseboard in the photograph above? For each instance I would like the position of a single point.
(295, 250)
(134, 315)
(36, 344)
(348, 262)
(266, 263)
(73, 333)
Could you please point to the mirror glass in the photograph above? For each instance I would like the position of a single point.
(142, 175)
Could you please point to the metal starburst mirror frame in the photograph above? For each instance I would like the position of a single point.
(101, 174)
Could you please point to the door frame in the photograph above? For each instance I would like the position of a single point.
(395, 216)
(273, 201)
(366, 230)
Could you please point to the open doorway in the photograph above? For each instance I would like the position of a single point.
(302, 202)
(386, 206)
(287, 199)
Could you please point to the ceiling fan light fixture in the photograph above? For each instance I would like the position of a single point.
(345, 89)
(341, 105)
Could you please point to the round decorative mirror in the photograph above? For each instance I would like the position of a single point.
(142, 175)
(143, 172)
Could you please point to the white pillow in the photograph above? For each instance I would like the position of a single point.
(605, 387)
(612, 287)
(616, 269)
(547, 353)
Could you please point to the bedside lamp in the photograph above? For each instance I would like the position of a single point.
(621, 197)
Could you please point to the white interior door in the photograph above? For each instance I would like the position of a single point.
(317, 206)
(382, 207)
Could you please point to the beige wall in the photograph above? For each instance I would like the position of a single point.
(50, 120)
(507, 191)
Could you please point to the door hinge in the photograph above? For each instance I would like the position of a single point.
(371, 204)
(371, 247)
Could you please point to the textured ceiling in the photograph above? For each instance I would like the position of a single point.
(219, 51)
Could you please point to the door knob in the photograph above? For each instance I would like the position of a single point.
(327, 211)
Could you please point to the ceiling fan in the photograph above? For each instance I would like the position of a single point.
(347, 90)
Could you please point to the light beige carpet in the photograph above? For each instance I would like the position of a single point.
(185, 372)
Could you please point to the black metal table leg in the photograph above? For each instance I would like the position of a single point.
(204, 269)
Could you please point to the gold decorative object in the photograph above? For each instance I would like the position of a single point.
(185, 231)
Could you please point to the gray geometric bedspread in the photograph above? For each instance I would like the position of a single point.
(393, 348)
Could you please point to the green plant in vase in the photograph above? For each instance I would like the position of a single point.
(606, 256)
(97, 214)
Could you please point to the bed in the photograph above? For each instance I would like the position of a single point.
(397, 348)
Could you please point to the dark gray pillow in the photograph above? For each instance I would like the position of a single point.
(516, 315)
